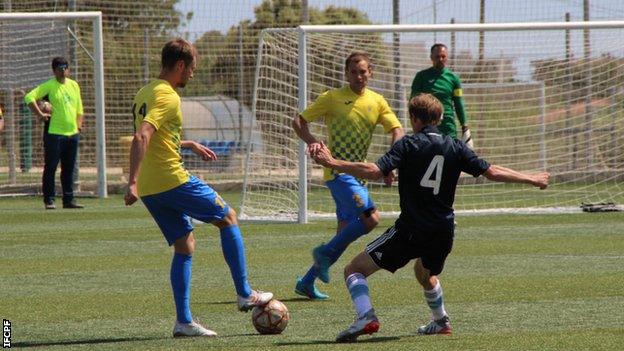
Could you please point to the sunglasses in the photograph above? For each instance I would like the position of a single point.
(62, 67)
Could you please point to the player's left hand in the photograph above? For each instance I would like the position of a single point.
(204, 152)
(131, 195)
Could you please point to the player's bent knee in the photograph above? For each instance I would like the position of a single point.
(228, 220)
(348, 270)
(371, 219)
(185, 245)
(362, 263)
(231, 216)
(423, 275)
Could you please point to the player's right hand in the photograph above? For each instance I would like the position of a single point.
(45, 116)
(131, 195)
(540, 180)
(322, 155)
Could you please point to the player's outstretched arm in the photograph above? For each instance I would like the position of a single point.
(357, 169)
(508, 175)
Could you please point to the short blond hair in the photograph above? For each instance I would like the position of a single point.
(426, 108)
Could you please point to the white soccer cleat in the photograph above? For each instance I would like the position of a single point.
(441, 326)
(257, 298)
(368, 324)
(191, 329)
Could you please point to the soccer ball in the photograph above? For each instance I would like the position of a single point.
(271, 318)
(45, 107)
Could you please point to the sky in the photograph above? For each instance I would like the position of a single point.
(223, 14)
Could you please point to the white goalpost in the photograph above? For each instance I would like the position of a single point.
(28, 43)
(539, 96)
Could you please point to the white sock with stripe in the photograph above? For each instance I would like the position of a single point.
(435, 300)
(358, 289)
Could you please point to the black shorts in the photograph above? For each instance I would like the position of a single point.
(394, 249)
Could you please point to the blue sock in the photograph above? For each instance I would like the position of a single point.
(310, 276)
(181, 285)
(234, 253)
(338, 244)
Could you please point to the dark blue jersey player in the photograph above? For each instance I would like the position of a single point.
(429, 165)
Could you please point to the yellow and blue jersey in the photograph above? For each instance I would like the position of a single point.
(351, 121)
(162, 169)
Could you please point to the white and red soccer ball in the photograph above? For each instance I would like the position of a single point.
(271, 318)
(45, 106)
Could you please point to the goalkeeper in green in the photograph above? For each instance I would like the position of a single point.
(445, 85)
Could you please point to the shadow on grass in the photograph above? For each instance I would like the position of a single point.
(331, 342)
(81, 342)
(229, 302)
(301, 298)
(291, 299)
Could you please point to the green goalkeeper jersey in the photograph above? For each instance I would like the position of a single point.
(446, 87)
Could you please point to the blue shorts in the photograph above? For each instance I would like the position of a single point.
(351, 197)
(173, 209)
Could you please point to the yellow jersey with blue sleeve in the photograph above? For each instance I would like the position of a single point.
(351, 120)
(162, 169)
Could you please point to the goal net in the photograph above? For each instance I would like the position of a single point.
(28, 43)
(539, 96)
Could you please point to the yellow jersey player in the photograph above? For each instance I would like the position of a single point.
(351, 114)
(172, 195)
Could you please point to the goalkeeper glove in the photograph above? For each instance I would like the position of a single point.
(466, 137)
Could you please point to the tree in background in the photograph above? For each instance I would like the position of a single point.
(569, 78)
(219, 69)
(133, 34)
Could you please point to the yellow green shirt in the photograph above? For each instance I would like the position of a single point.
(351, 121)
(66, 104)
(162, 169)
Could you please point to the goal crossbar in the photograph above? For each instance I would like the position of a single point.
(464, 27)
